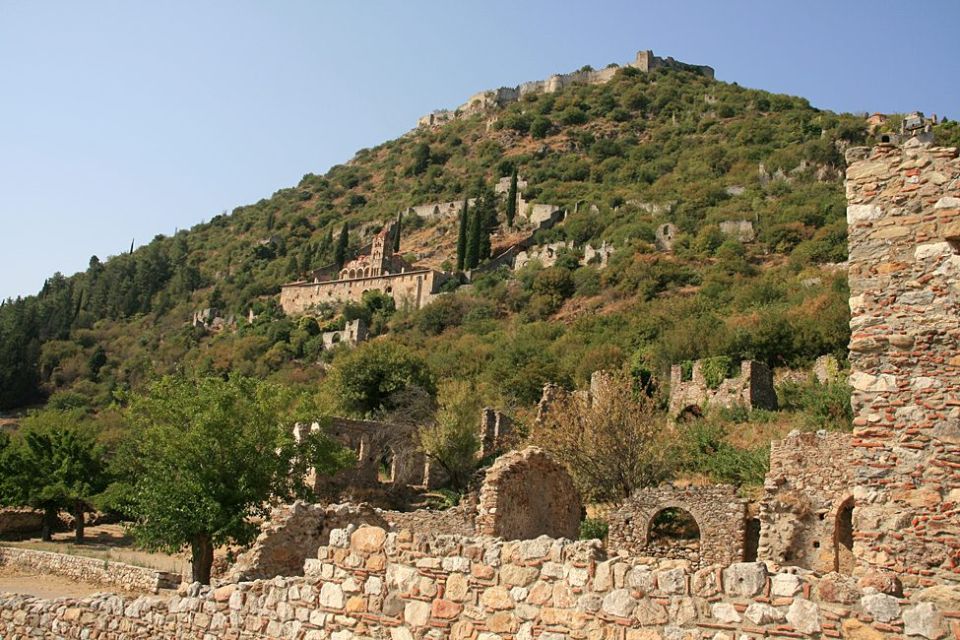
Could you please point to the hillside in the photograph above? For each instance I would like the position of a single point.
(622, 158)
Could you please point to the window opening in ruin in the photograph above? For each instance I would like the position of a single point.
(751, 544)
(386, 467)
(674, 533)
(843, 539)
(690, 413)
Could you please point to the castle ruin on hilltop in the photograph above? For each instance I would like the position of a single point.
(645, 61)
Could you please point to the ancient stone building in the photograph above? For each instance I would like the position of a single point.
(903, 218)
(665, 235)
(739, 230)
(526, 494)
(381, 270)
(719, 513)
(807, 505)
(752, 388)
(353, 333)
(496, 432)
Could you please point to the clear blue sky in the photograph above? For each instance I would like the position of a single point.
(122, 120)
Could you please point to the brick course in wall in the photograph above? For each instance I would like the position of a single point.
(903, 220)
(405, 586)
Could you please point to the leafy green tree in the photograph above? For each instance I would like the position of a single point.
(54, 464)
(368, 377)
(97, 361)
(512, 199)
(396, 234)
(451, 439)
(205, 455)
(472, 256)
(421, 159)
(340, 254)
(462, 237)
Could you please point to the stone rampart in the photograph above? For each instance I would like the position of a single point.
(406, 586)
(116, 575)
(720, 516)
(903, 220)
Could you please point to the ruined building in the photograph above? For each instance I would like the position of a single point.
(645, 61)
(751, 389)
(380, 270)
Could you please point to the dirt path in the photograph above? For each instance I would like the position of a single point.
(46, 586)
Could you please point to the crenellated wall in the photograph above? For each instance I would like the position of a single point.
(903, 219)
(370, 584)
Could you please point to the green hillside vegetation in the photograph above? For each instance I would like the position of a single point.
(664, 137)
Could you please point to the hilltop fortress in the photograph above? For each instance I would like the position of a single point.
(645, 61)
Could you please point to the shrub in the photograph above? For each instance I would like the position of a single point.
(716, 369)
(594, 529)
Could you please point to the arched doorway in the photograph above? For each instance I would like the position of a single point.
(843, 538)
(674, 533)
(386, 466)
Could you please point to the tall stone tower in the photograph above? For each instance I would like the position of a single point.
(903, 218)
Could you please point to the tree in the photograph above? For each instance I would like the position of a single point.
(472, 256)
(613, 443)
(462, 237)
(369, 376)
(451, 439)
(205, 455)
(421, 158)
(396, 234)
(340, 254)
(54, 464)
(512, 199)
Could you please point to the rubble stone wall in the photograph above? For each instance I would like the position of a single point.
(752, 388)
(405, 586)
(903, 219)
(13, 520)
(116, 575)
(526, 494)
(413, 288)
(809, 483)
(719, 513)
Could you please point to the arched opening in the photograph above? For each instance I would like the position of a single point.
(884, 138)
(843, 538)
(674, 533)
(690, 413)
(386, 466)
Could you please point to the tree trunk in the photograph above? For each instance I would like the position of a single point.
(201, 550)
(49, 520)
(78, 512)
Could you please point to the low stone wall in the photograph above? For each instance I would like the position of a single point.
(405, 586)
(455, 520)
(20, 521)
(91, 570)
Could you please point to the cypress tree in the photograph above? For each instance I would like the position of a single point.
(340, 256)
(472, 257)
(462, 237)
(396, 234)
(512, 199)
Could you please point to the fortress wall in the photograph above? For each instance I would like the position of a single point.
(414, 288)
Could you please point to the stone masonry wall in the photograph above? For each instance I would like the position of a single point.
(116, 575)
(719, 513)
(406, 586)
(14, 520)
(809, 483)
(413, 288)
(752, 388)
(526, 494)
(903, 219)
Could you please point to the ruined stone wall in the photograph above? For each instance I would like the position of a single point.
(413, 288)
(719, 513)
(414, 586)
(292, 534)
(752, 388)
(115, 575)
(903, 218)
(805, 494)
(16, 520)
(527, 493)
(458, 520)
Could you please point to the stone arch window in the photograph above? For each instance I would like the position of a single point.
(674, 533)
(843, 560)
